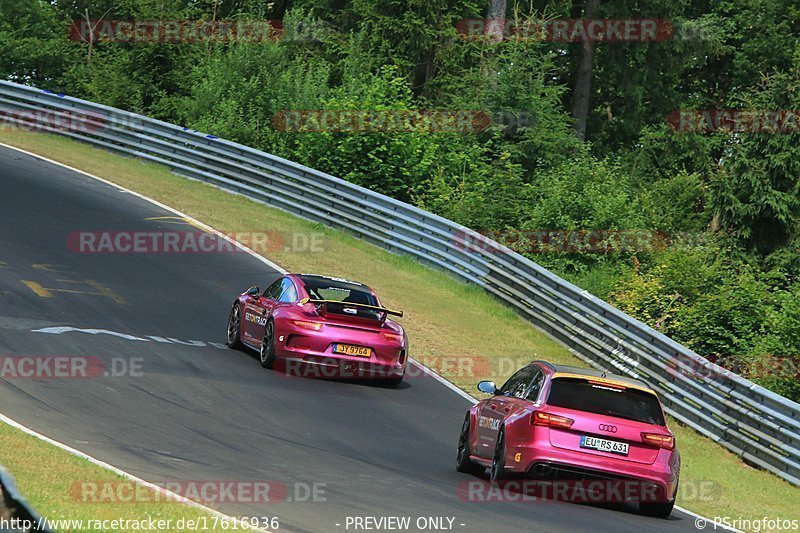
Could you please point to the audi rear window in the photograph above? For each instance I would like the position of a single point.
(628, 403)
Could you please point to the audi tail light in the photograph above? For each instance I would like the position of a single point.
(540, 418)
(657, 439)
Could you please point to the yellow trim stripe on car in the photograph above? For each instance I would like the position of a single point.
(606, 381)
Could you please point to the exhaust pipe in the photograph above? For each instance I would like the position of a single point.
(542, 470)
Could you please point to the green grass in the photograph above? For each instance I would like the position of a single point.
(454, 328)
(50, 479)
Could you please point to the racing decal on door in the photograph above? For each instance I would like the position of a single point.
(489, 423)
(255, 319)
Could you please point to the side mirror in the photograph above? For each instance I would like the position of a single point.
(253, 291)
(488, 387)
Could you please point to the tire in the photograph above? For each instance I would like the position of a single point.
(267, 352)
(463, 462)
(497, 471)
(656, 509)
(391, 382)
(233, 338)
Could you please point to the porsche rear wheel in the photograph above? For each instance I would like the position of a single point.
(233, 339)
(463, 462)
(392, 382)
(267, 352)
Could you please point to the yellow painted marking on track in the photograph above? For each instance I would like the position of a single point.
(47, 292)
(105, 291)
(73, 291)
(177, 220)
(47, 267)
(102, 290)
(3, 264)
(38, 289)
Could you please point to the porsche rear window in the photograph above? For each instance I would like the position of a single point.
(326, 290)
(628, 403)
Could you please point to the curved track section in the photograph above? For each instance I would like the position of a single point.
(192, 410)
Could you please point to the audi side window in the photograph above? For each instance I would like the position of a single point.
(512, 382)
(273, 291)
(289, 293)
(519, 390)
(536, 386)
(531, 373)
(516, 384)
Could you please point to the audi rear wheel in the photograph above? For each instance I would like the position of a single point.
(498, 470)
(463, 462)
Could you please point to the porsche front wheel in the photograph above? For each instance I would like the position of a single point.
(233, 338)
(267, 355)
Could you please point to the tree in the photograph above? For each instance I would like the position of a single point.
(581, 96)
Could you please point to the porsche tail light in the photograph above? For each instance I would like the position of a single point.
(540, 418)
(657, 439)
(393, 337)
(307, 324)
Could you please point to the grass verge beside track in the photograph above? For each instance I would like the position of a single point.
(455, 329)
(49, 478)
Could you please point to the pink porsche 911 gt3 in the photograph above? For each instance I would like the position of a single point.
(320, 326)
(573, 428)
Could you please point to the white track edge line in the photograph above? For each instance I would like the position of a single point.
(157, 203)
(444, 381)
(97, 462)
(261, 258)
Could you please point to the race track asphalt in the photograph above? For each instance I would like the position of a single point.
(193, 411)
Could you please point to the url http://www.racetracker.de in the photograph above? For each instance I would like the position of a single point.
(202, 523)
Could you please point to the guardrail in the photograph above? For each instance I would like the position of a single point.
(752, 422)
(17, 515)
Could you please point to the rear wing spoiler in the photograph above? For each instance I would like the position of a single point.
(348, 304)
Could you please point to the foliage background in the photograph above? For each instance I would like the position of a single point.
(723, 281)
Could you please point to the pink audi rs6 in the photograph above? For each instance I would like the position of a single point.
(319, 326)
(568, 427)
